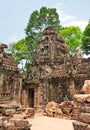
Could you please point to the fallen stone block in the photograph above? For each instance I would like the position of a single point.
(67, 111)
(88, 128)
(85, 109)
(21, 124)
(1, 121)
(8, 112)
(29, 112)
(8, 126)
(77, 104)
(88, 99)
(86, 87)
(51, 105)
(81, 97)
(66, 104)
(84, 117)
(80, 126)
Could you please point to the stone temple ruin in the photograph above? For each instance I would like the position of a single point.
(54, 76)
(10, 94)
(9, 78)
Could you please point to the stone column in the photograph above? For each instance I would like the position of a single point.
(38, 101)
(24, 98)
(19, 93)
(71, 88)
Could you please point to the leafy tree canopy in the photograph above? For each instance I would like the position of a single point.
(19, 52)
(86, 40)
(39, 20)
(72, 36)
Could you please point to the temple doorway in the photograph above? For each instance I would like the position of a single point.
(31, 98)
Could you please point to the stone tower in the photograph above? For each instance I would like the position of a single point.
(50, 52)
(51, 49)
(53, 75)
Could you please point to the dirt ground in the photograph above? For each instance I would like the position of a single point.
(49, 123)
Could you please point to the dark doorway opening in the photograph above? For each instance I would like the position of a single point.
(31, 98)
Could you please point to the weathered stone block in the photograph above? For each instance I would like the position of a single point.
(1, 120)
(21, 124)
(77, 104)
(67, 111)
(84, 117)
(8, 126)
(86, 87)
(88, 128)
(76, 111)
(85, 109)
(8, 112)
(29, 112)
(88, 99)
(74, 114)
(81, 97)
(74, 117)
(80, 126)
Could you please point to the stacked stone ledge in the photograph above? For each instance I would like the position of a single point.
(15, 124)
(83, 120)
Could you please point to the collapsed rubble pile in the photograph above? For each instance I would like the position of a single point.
(12, 117)
(67, 109)
(15, 124)
(52, 109)
(70, 109)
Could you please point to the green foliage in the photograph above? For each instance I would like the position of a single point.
(39, 20)
(19, 51)
(86, 40)
(72, 36)
(23, 50)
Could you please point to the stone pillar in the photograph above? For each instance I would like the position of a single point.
(1, 84)
(48, 92)
(71, 88)
(19, 93)
(51, 93)
(39, 96)
(44, 94)
(36, 98)
(38, 101)
(24, 98)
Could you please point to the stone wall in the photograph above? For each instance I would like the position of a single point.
(10, 81)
